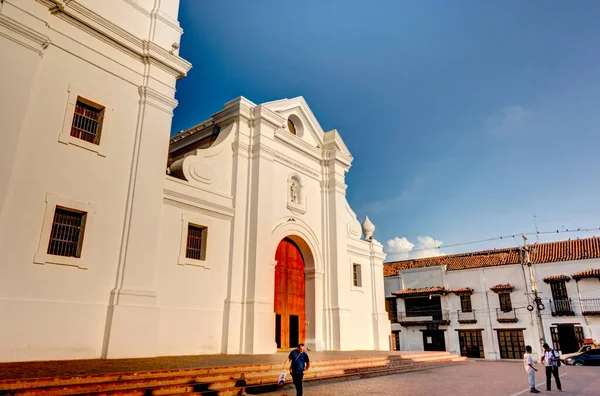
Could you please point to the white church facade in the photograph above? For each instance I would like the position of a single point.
(240, 240)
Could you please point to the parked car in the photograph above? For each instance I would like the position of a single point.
(589, 358)
(584, 348)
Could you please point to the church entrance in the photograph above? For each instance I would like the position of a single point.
(290, 296)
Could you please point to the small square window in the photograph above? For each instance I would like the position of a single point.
(196, 242)
(66, 236)
(357, 275)
(87, 121)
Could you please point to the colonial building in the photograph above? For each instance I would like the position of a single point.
(483, 304)
(240, 240)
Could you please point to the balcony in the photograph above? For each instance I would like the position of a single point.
(393, 316)
(506, 317)
(590, 306)
(466, 317)
(424, 318)
(562, 307)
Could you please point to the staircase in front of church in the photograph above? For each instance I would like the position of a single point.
(225, 381)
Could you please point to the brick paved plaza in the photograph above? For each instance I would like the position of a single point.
(473, 378)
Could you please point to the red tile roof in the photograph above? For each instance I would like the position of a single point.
(502, 288)
(577, 249)
(590, 273)
(557, 278)
(420, 292)
(462, 290)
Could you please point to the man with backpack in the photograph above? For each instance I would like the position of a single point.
(551, 360)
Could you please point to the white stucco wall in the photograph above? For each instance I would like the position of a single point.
(485, 302)
(60, 311)
(132, 293)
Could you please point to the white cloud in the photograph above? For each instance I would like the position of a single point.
(509, 121)
(402, 249)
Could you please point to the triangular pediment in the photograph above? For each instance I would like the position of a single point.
(313, 132)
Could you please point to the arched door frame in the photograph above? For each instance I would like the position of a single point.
(299, 232)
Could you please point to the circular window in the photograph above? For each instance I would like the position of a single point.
(291, 127)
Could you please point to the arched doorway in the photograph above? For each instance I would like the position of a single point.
(290, 296)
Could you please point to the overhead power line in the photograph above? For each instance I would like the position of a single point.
(504, 237)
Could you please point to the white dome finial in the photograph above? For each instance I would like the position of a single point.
(368, 229)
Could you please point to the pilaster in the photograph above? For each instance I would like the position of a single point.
(259, 299)
(234, 308)
(133, 304)
(335, 164)
(381, 322)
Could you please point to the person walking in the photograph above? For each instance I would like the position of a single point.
(529, 369)
(300, 363)
(551, 360)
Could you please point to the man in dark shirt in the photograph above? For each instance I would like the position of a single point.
(300, 363)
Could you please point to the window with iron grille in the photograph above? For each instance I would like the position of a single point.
(196, 242)
(505, 302)
(87, 121)
(559, 290)
(66, 236)
(357, 275)
(465, 303)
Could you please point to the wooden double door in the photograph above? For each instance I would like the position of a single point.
(290, 296)
(471, 343)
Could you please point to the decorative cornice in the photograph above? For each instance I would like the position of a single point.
(23, 35)
(73, 10)
(138, 7)
(193, 203)
(157, 99)
(264, 114)
(159, 15)
(297, 143)
(295, 165)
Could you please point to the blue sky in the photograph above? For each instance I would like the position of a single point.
(465, 118)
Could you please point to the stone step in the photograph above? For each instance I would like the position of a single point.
(288, 385)
(269, 382)
(215, 379)
(208, 371)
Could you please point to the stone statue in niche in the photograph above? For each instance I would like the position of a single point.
(294, 189)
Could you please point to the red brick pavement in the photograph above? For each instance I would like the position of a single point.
(474, 378)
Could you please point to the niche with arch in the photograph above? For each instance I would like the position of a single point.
(296, 202)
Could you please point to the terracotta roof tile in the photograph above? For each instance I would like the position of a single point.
(420, 292)
(502, 288)
(557, 278)
(590, 273)
(462, 290)
(577, 249)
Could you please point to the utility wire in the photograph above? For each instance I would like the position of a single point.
(504, 237)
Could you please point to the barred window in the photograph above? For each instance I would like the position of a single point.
(66, 237)
(559, 290)
(505, 302)
(357, 275)
(196, 242)
(465, 303)
(87, 121)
